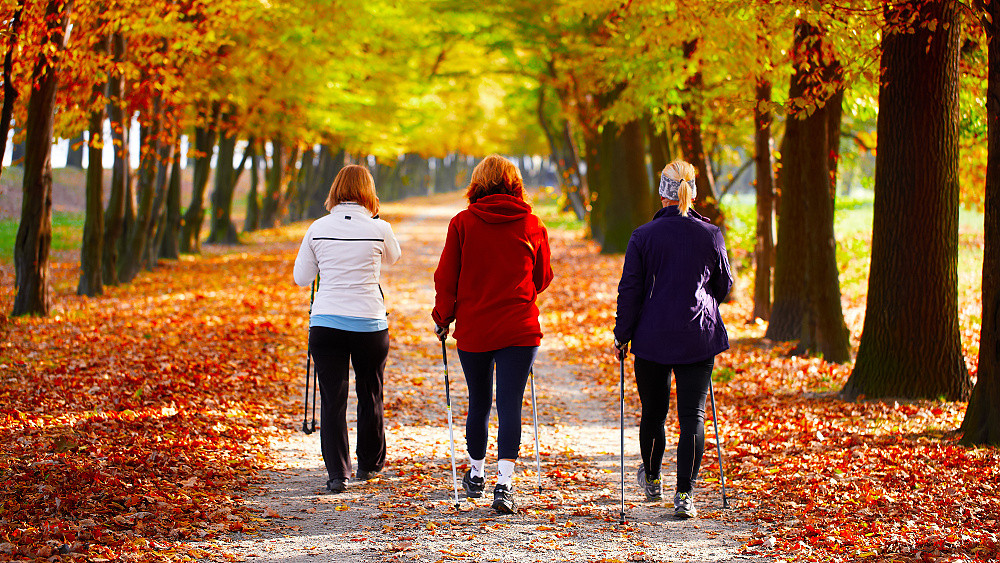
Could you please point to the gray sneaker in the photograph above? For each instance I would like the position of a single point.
(684, 506)
(650, 487)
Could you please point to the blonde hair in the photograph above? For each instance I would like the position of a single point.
(495, 175)
(353, 183)
(682, 172)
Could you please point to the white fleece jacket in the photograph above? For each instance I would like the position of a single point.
(346, 248)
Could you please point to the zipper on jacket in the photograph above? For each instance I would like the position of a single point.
(651, 287)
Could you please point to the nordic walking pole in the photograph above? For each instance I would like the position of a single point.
(305, 410)
(621, 396)
(451, 428)
(534, 417)
(718, 445)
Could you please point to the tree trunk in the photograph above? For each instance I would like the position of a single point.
(222, 228)
(807, 287)
(114, 215)
(204, 145)
(693, 147)
(270, 207)
(91, 283)
(764, 246)
(619, 181)
(74, 154)
(252, 220)
(34, 235)
(156, 225)
(982, 418)
(169, 234)
(911, 345)
(9, 90)
(135, 254)
(564, 154)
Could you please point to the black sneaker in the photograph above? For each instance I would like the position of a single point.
(649, 486)
(364, 475)
(473, 485)
(503, 499)
(336, 485)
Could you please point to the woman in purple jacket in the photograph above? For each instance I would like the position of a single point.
(675, 274)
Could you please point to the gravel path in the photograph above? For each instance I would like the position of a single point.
(408, 513)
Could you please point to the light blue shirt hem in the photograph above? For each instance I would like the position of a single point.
(352, 324)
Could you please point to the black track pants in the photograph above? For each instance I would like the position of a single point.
(331, 350)
(653, 381)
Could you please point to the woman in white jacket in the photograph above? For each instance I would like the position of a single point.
(348, 322)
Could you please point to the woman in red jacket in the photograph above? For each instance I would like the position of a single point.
(494, 263)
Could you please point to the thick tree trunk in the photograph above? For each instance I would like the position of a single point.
(911, 345)
(618, 181)
(114, 215)
(9, 89)
(204, 145)
(159, 215)
(982, 418)
(222, 228)
(764, 246)
(34, 235)
(807, 287)
(169, 235)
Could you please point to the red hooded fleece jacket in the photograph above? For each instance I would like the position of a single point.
(494, 264)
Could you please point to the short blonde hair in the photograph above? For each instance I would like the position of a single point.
(495, 175)
(353, 183)
(684, 173)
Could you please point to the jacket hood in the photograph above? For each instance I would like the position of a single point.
(500, 208)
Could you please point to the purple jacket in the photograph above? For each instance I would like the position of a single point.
(676, 271)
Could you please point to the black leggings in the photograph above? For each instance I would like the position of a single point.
(331, 350)
(512, 366)
(653, 381)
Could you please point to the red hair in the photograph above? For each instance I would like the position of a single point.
(495, 175)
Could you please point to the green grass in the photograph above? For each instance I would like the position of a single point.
(548, 205)
(67, 234)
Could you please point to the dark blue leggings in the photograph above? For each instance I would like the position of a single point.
(653, 381)
(512, 366)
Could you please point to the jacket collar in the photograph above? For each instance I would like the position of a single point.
(674, 211)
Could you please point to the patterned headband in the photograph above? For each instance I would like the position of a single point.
(669, 187)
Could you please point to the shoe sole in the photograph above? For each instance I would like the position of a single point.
(685, 515)
(472, 494)
(503, 508)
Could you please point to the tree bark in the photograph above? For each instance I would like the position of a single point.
(693, 146)
(34, 235)
(169, 235)
(982, 418)
(619, 181)
(114, 215)
(222, 228)
(204, 145)
(911, 346)
(252, 220)
(807, 304)
(74, 154)
(764, 246)
(564, 154)
(91, 282)
(9, 90)
(134, 257)
(271, 205)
